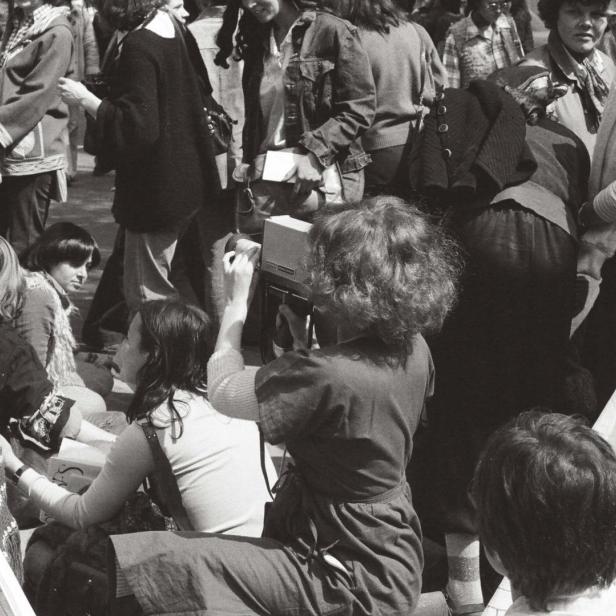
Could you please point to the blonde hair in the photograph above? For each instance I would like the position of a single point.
(11, 282)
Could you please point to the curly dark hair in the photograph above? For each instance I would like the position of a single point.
(548, 9)
(250, 32)
(126, 15)
(177, 339)
(381, 265)
(545, 490)
(379, 15)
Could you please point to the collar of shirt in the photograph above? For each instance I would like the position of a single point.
(472, 30)
(569, 71)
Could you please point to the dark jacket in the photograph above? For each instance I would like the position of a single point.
(330, 92)
(153, 126)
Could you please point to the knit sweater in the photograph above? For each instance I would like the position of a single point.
(154, 127)
(406, 68)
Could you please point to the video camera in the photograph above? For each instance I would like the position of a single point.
(284, 273)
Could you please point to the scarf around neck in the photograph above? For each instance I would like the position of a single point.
(586, 74)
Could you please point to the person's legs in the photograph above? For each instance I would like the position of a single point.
(86, 400)
(24, 207)
(74, 124)
(147, 266)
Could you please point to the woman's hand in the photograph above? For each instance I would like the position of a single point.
(239, 267)
(72, 92)
(297, 326)
(11, 461)
(309, 174)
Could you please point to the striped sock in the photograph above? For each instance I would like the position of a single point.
(464, 585)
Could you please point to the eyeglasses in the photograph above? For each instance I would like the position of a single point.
(503, 5)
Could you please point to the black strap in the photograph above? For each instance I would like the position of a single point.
(163, 481)
(263, 468)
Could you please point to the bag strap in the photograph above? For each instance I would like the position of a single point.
(167, 481)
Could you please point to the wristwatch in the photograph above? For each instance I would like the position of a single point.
(13, 477)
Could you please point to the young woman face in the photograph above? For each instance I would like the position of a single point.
(130, 358)
(581, 26)
(70, 277)
(263, 10)
(176, 8)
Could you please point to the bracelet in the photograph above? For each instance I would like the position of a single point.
(15, 477)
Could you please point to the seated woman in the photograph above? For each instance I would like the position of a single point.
(341, 535)
(59, 262)
(31, 408)
(214, 459)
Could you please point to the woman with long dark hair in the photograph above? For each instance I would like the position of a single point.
(405, 88)
(341, 535)
(309, 91)
(215, 459)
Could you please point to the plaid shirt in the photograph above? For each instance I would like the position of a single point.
(25, 25)
(471, 52)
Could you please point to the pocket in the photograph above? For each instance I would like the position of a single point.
(29, 147)
(316, 75)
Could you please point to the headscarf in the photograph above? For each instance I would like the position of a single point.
(592, 87)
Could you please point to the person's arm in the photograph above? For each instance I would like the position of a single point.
(22, 112)
(353, 103)
(451, 62)
(231, 388)
(129, 462)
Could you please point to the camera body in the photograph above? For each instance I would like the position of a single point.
(284, 255)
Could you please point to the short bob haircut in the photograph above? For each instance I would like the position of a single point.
(177, 339)
(545, 491)
(383, 267)
(548, 9)
(126, 15)
(11, 282)
(62, 242)
(379, 15)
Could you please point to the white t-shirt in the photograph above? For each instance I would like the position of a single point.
(216, 462)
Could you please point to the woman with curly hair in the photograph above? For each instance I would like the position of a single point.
(405, 89)
(341, 535)
(582, 75)
(308, 90)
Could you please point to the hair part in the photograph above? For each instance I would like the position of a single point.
(549, 9)
(378, 15)
(177, 340)
(545, 491)
(382, 266)
(59, 243)
(11, 282)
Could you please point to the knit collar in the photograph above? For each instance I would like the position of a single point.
(473, 30)
(62, 295)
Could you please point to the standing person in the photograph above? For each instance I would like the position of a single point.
(307, 86)
(404, 89)
(36, 51)
(86, 64)
(341, 536)
(521, 15)
(482, 42)
(154, 128)
(582, 75)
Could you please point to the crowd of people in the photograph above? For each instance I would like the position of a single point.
(459, 186)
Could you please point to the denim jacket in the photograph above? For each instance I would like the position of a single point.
(330, 93)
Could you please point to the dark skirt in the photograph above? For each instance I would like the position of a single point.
(503, 350)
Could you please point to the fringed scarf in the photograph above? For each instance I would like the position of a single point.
(592, 87)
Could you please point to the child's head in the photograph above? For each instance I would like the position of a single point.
(383, 267)
(545, 490)
(66, 252)
(11, 282)
(167, 348)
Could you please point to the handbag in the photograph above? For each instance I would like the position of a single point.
(257, 199)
